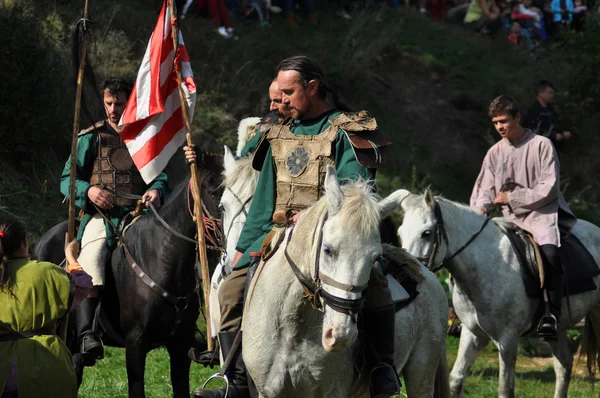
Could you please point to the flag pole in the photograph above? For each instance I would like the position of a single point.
(196, 182)
(73, 165)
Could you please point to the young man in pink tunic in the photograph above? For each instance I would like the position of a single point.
(521, 173)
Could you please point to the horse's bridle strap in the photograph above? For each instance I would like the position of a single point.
(314, 290)
(343, 286)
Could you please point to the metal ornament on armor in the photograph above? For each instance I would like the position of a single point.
(300, 162)
(114, 169)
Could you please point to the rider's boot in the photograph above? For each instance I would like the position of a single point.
(90, 342)
(238, 382)
(380, 327)
(548, 326)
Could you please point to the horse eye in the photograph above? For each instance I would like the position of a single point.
(328, 251)
(426, 234)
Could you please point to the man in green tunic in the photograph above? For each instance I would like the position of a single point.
(292, 158)
(104, 170)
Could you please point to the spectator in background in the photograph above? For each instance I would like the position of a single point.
(562, 10)
(543, 119)
(530, 18)
(216, 11)
(515, 35)
(437, 9)
(483, 16)
(309, 7)
(579, 14)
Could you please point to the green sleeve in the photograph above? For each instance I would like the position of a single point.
(251, 145)
(162, 185)
(263, 206)
(85, 156)
(346, 165)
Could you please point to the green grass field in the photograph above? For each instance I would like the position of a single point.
(535, 376)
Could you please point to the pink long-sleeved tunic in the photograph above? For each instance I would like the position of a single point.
(531, 172)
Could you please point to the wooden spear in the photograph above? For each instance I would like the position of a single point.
(73, 165)
(196, 180)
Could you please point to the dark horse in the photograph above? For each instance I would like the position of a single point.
(141, 318)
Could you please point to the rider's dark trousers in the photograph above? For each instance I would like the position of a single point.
(553, 267)
(231, 296)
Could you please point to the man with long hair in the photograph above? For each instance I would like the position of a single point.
(320, 121)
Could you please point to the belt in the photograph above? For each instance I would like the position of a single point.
(27, 334)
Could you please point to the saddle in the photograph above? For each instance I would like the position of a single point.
(579, 265)
(403, 273)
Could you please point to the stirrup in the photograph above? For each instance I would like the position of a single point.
(217, 376)
(548, 326)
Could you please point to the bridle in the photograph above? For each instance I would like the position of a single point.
(314, 289)
(440, 235)
(211, 224)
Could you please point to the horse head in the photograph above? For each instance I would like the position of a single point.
(420, 232)
(343, 233)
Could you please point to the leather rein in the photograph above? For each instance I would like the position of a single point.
(314, 289)
(179, 302)
(440, 235)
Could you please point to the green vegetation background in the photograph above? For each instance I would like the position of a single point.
(428, 85)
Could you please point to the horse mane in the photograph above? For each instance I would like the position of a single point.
(243, 171)
(360, 212)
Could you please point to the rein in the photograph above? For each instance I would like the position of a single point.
(442, 236)
(209, 221)
(180, 303)
(314, 290)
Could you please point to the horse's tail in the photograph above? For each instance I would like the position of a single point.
(588, 346)
(441, 388)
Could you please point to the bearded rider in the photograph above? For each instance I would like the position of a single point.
(326, 130)
(104, 170)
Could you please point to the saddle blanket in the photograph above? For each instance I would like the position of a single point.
(579, 265)
(403, 274)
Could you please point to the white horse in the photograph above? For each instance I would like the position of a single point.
(489, 294)
(239, 180)
(291, 349)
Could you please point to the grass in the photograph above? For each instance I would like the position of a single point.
(534, 377)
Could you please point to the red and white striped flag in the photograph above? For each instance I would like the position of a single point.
(152, 125)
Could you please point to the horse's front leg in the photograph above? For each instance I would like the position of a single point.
(508, 348)
(563, 364)
(180, 364)
(469, 348)
(135, 357)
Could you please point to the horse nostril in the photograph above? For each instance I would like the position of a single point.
(329, 338)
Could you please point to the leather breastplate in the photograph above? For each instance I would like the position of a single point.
(114, 169)
(300, 162)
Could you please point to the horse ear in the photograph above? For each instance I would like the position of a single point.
(429, 199)
(333, 191)
(388, 205)
(228, 160)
